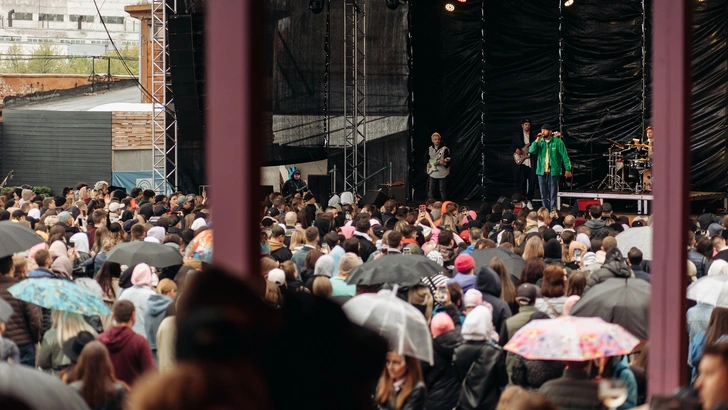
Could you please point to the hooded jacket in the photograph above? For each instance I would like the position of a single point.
(139, 294)
(156, 308)
(443, 388)
(488, 283)
(278, 251)
(614, 266)
(598, 228)
(479, 364)
(129, 352)
(24, 326)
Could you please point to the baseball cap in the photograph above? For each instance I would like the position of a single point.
(546, 127)
(606, 207)
(298, 171)
(516, 198)
(713, 229)
(508, 218)
(277, 276)
(182, 200)
(18, 213)
(526, 294)
(526, 120)
(114, 206)
(309, 196)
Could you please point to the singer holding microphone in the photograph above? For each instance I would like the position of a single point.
(552, 161)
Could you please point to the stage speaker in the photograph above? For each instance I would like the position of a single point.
(398, 193)
(584, 203)
(378, 198)
(320, 187)
(265, 190)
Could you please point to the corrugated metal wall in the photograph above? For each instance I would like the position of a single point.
(56, 148)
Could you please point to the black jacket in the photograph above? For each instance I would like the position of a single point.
(442, 387)
(573, 391)
(415, 400)
(517, 140)
(366, 247)
(640, 274)
(488, 283)
(480, 367)
(292, 186)
(614, 266)
(598, 228)
(532, 374)
(281, 254)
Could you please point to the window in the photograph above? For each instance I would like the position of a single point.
(50, 17)
(23, 16)
(86, 19)
(114, 20)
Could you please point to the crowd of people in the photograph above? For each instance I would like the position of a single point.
(101, 357)
(312, 248)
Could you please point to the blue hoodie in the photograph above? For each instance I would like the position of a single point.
(156, 307)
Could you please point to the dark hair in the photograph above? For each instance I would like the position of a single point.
(7, 265)
(408, 230)
(312, 234)
(532, 271)
(596, 245)
(311, 257)
(331, 239)
(351, 245)
(108, 271)
(123, 310)
(362, 225)
(553, 285)
(576, 283)
(148, 194)
(717, 349)
(302, 218)
(595, 211)
(394, 240)
(705, 247)
(635, 256)
(138, 231)
(41, 257)
(717, 326)
(445, 237)
(134, 192)
(508, 237)
(497, 208)
(456, 293)
(96, 373)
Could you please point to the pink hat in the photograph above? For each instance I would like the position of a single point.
(463, 263)
(141, 275)
(348, 231)
(36, 248)
(441, 323)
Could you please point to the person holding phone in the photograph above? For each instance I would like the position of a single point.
(552, 161)
(577, 250)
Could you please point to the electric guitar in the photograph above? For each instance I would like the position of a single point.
(519, 158)
(433, 165)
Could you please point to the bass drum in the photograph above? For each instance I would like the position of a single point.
(647, 180)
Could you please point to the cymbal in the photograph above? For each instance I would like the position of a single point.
(637, 145)
(618, 145)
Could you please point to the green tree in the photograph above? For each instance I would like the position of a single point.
(14, 61)
(44, 60)
(131, 58)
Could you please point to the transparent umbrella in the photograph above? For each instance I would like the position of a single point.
(394, 319)
(711, 290)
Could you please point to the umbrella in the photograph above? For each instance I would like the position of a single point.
(16, 237)
(570, 338)
(625, 302)
(37, 390)
(60, 294)
(712, 290)
(91, 285)
(200, 248)
(397, 321)
(153, 254)
(640, 238)
(404, 270)
(513, 262)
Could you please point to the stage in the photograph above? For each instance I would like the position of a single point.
(643, 200)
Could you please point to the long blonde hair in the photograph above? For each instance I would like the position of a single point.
(385, 389)
(297, 239)
(68, 325)
(533, 248)
(420, 295)
(450, 222)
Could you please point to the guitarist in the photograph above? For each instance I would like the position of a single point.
(294, 185)
(438, 167)
(525, 176)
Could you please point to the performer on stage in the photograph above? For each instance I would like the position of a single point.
(525, 175)
(551, 162)
(294, 185)
(438, 167)
(648, 131)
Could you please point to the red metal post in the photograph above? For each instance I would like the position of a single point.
(234, 79)
(671, 120)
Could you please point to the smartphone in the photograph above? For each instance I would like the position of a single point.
(577, 255)
(385, 250)
(441, 294)
(464, 210)
(406, 251)
(348, 216)
(423, 209)
(325, 247)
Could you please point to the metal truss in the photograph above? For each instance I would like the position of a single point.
(164, 121)
(355, 96)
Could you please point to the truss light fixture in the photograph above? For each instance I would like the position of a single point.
(450, 7)
(568, 3)
(316, 6)
(392, 4)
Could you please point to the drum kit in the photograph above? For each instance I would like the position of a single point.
(630, 168)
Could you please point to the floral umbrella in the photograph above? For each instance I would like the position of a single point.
(570, 338)
(59, 294)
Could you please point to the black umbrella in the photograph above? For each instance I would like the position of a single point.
(16, 237)
(153, 254)
(625, 302)
(36, 390)
(404, 270)
(513, 262)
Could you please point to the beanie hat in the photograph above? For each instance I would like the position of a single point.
(552, 249)
(464, 263)
(478, 324)
(715, 229)
(441, 323)
(63, 217)
(348, 262)
(472, 298)
(583, 238)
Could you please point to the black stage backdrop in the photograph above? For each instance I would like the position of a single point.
(606, 86)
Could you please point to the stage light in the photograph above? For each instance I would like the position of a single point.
(449, 7)
(316, 6)
(568, 3)
(392, 4)
(462, 1)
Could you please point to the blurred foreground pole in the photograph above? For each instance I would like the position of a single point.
(234, 76)
(671, 83)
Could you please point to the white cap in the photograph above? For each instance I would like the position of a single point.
(277, 276)
(115, 206)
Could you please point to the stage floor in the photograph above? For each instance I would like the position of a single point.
(642, 200)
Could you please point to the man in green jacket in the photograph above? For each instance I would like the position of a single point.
(551, 162)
